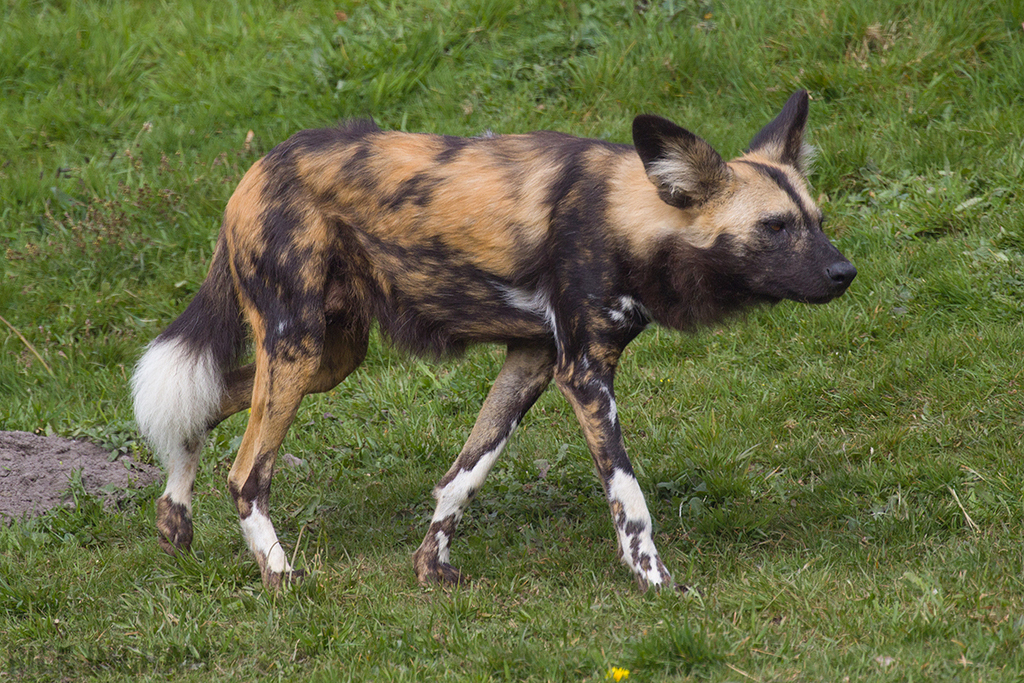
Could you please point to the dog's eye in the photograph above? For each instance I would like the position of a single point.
(774, 225)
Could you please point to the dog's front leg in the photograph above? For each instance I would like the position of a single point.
(587, 384)
(524, 376)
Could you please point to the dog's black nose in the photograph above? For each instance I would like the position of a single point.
(841, 273)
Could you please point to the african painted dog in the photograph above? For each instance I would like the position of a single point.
(563, 249)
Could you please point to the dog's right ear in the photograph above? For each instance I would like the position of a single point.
(686, 170)
(782, 140)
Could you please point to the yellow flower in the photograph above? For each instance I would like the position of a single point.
(617, 674)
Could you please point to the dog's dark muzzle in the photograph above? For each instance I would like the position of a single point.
(831, 283)
(840, 275)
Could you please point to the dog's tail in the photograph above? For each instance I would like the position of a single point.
(179, 382)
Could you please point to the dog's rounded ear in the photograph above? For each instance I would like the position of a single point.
(782, 140)
(686, 170)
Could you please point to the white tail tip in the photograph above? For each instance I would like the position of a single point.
(176, 392)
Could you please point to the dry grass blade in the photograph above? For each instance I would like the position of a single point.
(28, 345)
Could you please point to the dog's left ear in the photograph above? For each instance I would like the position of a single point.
(686, 170)
(782, 140)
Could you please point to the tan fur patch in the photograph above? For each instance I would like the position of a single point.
(476, 206)
(643, 220)
(241, 217)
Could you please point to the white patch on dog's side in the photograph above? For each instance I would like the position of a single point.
(538, 303)
(259, 533)
(628, 303)
(531, 302)
(623, 306)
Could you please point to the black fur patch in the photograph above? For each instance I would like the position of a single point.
(782, 181)
(686, 287)
(786, 131)
(215, 300)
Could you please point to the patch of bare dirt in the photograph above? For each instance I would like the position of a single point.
(35, 472)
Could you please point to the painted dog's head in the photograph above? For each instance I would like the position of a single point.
(753, 221)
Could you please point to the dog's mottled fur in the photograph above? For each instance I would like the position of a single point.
(561, 248)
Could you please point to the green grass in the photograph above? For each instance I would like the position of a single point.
(842, 484)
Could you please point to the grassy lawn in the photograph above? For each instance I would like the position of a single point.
(843, 485)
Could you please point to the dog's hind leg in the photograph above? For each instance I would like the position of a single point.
(287, 359)
(524, 376)
(287, 367)
(345, 343)
(174, 507)
(344, 350)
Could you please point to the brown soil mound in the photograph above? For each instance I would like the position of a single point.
(35, 472)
